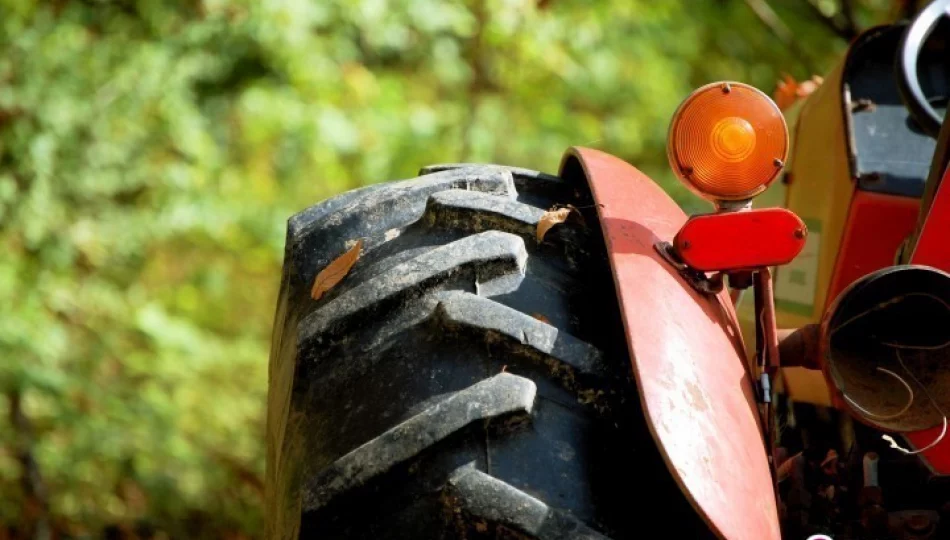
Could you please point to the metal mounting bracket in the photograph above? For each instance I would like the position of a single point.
(708, 285)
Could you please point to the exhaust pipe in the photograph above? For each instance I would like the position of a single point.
(884, 347)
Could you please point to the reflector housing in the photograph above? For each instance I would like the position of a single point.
(727, 141)
(728, 241)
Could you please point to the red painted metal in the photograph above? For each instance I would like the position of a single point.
(877, 226)
(687, 354)
(933, 249)
(741, 240)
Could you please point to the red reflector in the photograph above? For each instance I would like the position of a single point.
(740, 240)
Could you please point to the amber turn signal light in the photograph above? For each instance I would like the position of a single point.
(727, 141)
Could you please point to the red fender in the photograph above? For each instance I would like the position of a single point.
(687, 355)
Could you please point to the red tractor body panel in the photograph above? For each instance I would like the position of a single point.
(933, 249)
(687, 355)
(877, 225)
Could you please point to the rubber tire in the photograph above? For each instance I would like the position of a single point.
(463, 380)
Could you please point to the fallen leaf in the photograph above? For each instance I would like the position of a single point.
(577, 213)
(806, 88)
(551, 218)
(334, 272)
(541, 318)
(788, 91)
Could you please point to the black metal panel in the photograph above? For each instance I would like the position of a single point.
(892, 155)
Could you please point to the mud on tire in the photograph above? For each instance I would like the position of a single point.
(464, 380)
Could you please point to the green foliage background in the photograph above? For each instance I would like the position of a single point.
(151, 152)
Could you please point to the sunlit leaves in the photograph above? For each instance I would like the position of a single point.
(151, 152)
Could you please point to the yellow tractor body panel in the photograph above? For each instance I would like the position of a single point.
(818, 186)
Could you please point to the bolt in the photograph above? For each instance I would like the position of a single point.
(872, 178)
(799, 233)
(863, 105)
(686, 170)
(778, 163)
(726, 88)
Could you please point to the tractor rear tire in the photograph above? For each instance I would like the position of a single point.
(463, 380)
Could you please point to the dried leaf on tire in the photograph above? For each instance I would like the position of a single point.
(550, 219)
(334, 272)
(541, 318)
(576, 213)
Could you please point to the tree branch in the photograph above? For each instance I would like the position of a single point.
(842, 23)
(847, 13)
(481, 81)
(774, 23)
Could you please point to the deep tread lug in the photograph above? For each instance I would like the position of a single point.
(515, 171)
(477, 212)
(484, 497)
(491, 254)
(501, 395)
(457, 308)
(537, 188)
(318, 234)
(580, 365)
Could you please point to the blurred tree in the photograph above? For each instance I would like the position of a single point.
(151, 151)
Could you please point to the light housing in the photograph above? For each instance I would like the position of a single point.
(727, 141)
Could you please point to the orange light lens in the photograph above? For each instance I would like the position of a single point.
(727, 141)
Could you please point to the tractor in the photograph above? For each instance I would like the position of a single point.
(494, 352)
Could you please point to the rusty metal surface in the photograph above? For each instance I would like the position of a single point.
(766, 331)
(767, 359)
(687, 356)
(800, 347)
